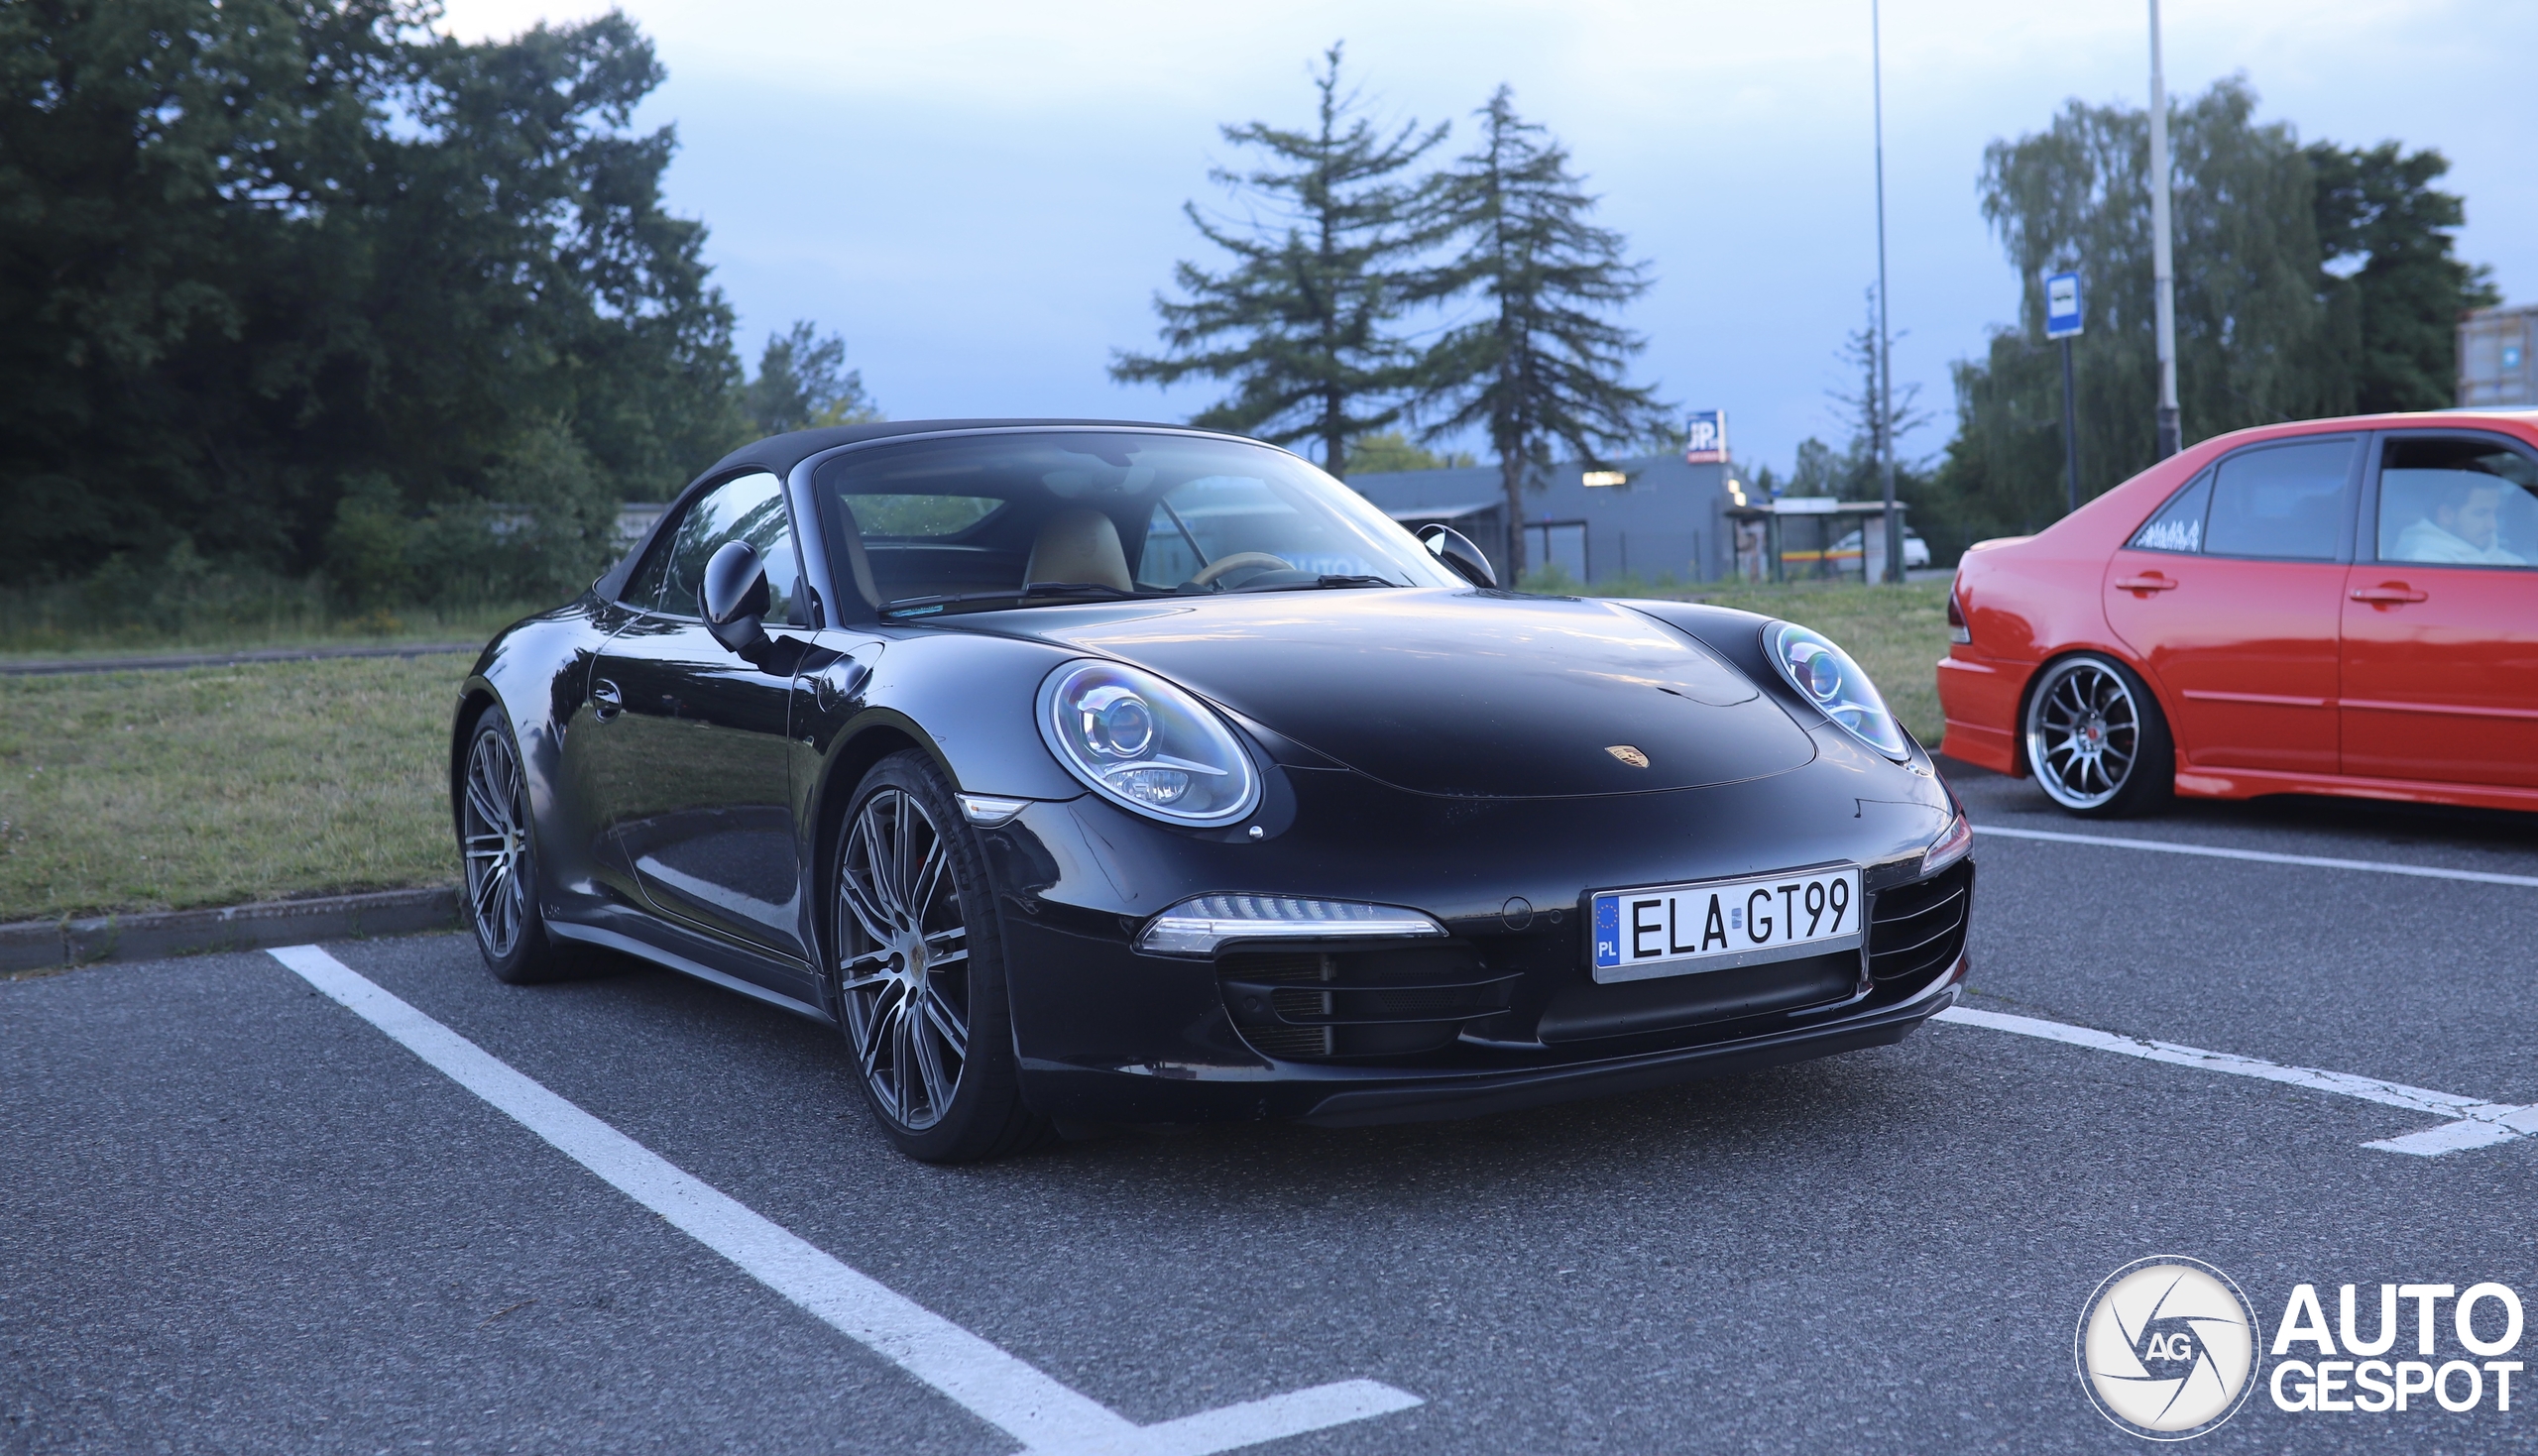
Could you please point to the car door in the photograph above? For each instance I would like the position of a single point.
(2441, 613)
(690, 740)
(2233, 597)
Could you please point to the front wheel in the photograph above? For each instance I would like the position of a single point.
(2096, 740)
(919, 970)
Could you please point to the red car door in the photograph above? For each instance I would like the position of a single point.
(2232, 595)
(2441, 619)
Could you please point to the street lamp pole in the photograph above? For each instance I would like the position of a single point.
(2162, 257)
(1884, 421)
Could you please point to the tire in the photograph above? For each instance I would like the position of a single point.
(917, 970)
(2096, 740)
(499, 850)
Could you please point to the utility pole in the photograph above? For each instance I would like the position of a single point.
(1884, 412)
(2163, 270)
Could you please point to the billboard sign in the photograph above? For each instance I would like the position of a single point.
(1705, 437)
(2062, 306)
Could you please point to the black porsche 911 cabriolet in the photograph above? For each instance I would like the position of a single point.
(1133, 773)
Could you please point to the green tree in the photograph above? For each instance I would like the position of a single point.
(2254, 345)
(1390, 450)
(1543, 362)
(1300, 322)
(281, 280)
(2393, 291)
(803, 383)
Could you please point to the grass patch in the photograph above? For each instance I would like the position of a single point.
(213, 786)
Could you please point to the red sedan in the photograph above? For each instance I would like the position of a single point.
(2335, 607)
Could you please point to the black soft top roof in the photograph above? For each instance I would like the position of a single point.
(780, 453)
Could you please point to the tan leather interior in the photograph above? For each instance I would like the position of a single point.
(857, 562)
(1079, 545)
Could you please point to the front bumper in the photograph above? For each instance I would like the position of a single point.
(1344, 1096)
(1106, 1034)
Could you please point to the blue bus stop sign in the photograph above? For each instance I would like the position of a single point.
(2062, 306)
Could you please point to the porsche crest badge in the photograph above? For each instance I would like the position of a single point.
(1628, 755)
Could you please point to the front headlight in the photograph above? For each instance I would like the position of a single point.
(1144, 745)
(1827, 677)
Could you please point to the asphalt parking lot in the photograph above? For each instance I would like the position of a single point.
(240, 1218)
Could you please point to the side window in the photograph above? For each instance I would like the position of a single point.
(2280, 502)
(748, 508)
(2460, 501)
(2179, 524)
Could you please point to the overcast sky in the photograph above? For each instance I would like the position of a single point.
(983, 197)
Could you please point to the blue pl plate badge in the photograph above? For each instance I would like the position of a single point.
(1608, 930)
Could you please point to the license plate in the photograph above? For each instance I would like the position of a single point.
(1716, 924)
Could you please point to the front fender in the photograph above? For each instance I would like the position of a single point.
(968, 699)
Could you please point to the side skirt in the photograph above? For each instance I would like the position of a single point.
(646, 951)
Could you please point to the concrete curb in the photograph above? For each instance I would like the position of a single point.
(50, 944)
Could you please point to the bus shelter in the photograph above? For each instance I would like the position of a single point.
(1811, 538)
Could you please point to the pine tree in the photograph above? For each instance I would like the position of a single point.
(1299, 321)
(1543, 362)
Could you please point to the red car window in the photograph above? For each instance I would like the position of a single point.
(2457, 501)
(2280, 502)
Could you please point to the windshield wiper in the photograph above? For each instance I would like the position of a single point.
(1319, 583)
(925, 606)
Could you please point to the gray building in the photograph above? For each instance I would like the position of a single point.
(1662, 518)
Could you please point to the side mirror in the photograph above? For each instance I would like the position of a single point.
(1455, 549)
(734, 596)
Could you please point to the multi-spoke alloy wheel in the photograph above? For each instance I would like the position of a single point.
(2095, 740)
(919, 976)
(494, 836)
(906, 977)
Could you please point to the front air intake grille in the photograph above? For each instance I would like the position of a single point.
(1317, 1005)
(1919, 927)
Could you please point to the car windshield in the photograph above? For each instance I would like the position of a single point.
(998, 518)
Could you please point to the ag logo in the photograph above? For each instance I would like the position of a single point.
(2167, 1348)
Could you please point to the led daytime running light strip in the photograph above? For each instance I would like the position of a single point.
(1196, 927)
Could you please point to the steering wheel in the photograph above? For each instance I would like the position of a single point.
(1208, 573)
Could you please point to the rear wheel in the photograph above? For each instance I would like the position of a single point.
(919, 973)
(500, 855)
(2096, 740)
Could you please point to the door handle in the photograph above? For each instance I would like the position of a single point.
(2144, 583)
(2391, 594)
(605, 701)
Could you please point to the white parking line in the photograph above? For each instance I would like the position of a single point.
(1013, 1395)
(2474, 1124)
(2260, 857)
